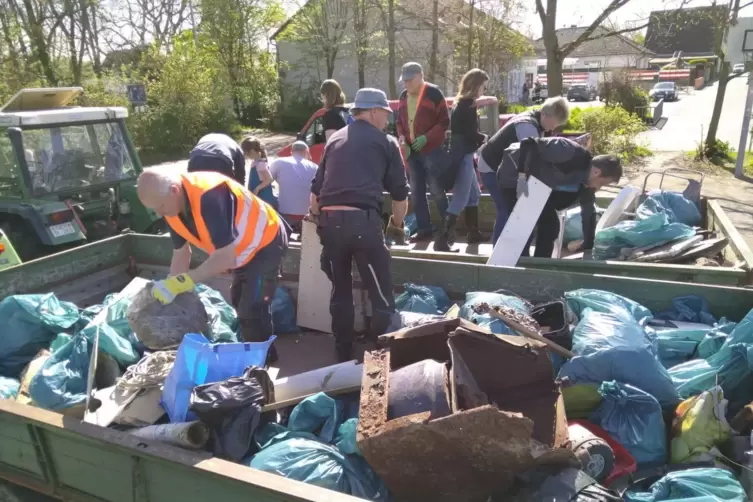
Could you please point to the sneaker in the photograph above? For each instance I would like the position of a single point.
(422, 236)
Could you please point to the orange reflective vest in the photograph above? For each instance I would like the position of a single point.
(256, 222)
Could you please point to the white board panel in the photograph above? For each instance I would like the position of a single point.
(625, 201)
(315, 289)
(520, 225)
(557, 251)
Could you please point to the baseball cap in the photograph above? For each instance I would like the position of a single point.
(368, 98)
(410, 70)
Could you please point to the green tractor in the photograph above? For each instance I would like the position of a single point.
(67, 174)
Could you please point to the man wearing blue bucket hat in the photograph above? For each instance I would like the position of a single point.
(359, 163)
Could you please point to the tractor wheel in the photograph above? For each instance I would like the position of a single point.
(25, 243)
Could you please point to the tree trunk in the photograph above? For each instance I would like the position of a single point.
(469, 62)
(434, 55)
(359, 24)
(41, 51)
(721, 89)
(391, 56)
(553, 73)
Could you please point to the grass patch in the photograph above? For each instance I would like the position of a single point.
(726, 162)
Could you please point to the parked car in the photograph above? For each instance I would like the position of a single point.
(664, 90)
(581, 92)
(540, 93)
(738, 68)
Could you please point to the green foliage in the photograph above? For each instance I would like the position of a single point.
(516, 108)
(717, 152)
(298, 108)
(694, 62)
(622, 91)
(614, 131)
(575, 122)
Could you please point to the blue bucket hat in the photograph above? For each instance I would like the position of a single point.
(368, 98)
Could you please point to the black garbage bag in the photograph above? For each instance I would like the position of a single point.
(232, 410)
(566, 485)
(163, 326)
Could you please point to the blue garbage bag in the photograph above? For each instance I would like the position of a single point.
(472, 300)
(61, 381)
(9, 387)
(422, 299)
(605, 330)
(199, 362)
(604, 301)
(709, 484)
(691, 308)
(283, 312)
(574, 224)
(653, 230)
(28, 324)
(320, 464)
(732, 369)
(679, 344)
(617, 350)
(634, 419)
(411, 224)
(673, 204)
(317, 447)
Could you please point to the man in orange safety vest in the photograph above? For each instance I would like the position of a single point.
(238, 230)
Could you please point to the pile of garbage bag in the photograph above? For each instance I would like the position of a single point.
(57, 338)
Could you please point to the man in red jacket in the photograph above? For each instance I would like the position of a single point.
(422, 121)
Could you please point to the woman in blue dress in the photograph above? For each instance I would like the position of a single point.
(259, 177)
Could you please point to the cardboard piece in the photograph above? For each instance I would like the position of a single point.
(520, 225)
(480, 448)
(315, 289)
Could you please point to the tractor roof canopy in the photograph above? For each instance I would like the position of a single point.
(44, 106)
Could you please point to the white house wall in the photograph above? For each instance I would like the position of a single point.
(301, 71)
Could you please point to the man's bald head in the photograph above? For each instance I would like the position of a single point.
(161, 190)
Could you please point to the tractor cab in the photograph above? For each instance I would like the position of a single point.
(67, 173)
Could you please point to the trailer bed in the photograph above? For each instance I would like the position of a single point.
(62, 457)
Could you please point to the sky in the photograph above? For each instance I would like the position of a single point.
(583, 12)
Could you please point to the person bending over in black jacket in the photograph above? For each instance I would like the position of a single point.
(572, 173)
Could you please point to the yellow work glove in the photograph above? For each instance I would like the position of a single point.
(166, 290)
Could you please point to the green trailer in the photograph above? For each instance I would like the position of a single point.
(64, 458)
(737, 254)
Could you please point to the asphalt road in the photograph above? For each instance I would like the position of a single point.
(686, 120)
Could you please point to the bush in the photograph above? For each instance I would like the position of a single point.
(717, 152)
(614, 131)
(516, 108)
(622, 91)
(298, 108)
(575, 122)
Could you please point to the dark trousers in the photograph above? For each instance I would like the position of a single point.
(254, 287)
(213, 164)
(356, 235)
(548, 226)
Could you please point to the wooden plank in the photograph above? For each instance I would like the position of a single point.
(724, 225)
(520, 225)
(315, 289)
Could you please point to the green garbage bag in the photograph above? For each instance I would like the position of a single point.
(653, 230)
(708, 484)
(114, 330)
(28, 323)
(61, 382)
(223, 323)
(604, 301)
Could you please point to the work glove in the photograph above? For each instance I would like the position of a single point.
(166, 290)
(397, 234)
(418, 144)
(522, 188)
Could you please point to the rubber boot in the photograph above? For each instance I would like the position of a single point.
(422, 236)
(473, 236)
(344, 351)
(446, 235)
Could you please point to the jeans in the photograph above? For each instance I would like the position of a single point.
(490, 183)
(466, 191)
(254, 287)
(348, 236)
(418, 166)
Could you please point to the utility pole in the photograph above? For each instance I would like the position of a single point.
(746, 128)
